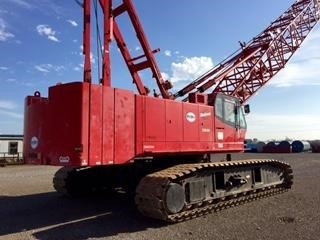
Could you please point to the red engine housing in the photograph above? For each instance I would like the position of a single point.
(83, 124)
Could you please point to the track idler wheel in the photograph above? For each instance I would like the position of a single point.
(175, 198)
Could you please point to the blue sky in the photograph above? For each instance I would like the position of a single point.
(41, 40)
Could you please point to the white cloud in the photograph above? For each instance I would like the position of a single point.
(4, 34)
(165, 76)
(92, 58)
(22, 3)
(190, 68)
(275, 126)
(11, 114)
(303, 69)
(7, 109)
(46, 68)
(47, 7)
(41, 68)
(10, 80)
(72, 22)
(137, 48)
(299, 73)
(3, 68)
(53, 38)
(78, 68)
(8, 105)
(45, 30)
(168, 53)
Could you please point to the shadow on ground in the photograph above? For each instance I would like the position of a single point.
(50, 216)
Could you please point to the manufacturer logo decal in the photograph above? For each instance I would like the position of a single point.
(205, 130)
(205, 114)
(191, 117)
(34, 142)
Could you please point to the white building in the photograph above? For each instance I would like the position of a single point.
(11, 147)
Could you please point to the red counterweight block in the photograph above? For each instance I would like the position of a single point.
(35, 120)
(80, 124)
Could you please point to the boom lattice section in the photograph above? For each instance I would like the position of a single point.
(245, 72)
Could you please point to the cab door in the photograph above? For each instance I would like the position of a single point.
(226, 122)
(241, 128)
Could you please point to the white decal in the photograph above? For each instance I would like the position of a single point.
(148, 146)
(84, 162)
(205, 114)
(64, 159)
(220, 135)
(34, 142)
(205, 130)
(191, 117)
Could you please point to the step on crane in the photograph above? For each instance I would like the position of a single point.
(158, 146)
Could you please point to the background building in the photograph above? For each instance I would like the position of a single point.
(11, 148)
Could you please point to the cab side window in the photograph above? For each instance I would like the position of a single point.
(219, 107)
(229, 112)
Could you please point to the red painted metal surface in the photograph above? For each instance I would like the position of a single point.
(68, 124)
(87, 41)
(89, 125)
(108, 33)
(167, 126)
(35, 122)
(107, 127)
(124, 121)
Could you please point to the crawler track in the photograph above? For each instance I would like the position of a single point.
(152, 192)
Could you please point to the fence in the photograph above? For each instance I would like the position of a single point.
(7, 158)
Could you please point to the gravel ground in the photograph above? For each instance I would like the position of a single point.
(30, 209)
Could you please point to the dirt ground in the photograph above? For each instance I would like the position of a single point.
(30, 209)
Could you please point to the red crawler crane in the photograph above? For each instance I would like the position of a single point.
(158, 147)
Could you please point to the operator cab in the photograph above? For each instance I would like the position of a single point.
(228, 110)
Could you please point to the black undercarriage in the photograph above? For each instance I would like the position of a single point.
(179, 191)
